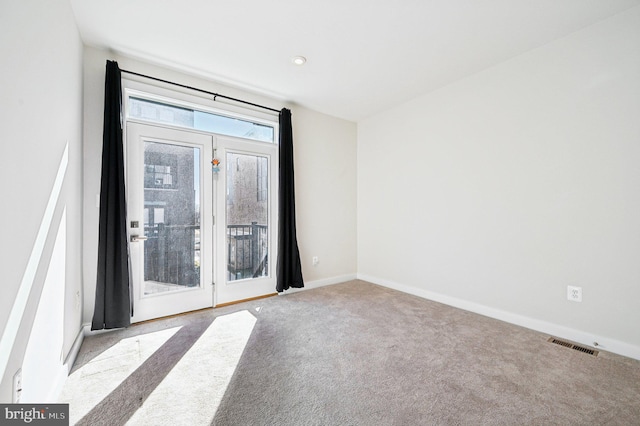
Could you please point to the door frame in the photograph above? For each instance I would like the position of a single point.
(136, 88)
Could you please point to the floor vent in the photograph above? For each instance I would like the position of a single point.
(570, 345)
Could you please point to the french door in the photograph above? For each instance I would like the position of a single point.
(246, 208)
(170, 233)
(192, 224)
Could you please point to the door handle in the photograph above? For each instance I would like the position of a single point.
(136, 238)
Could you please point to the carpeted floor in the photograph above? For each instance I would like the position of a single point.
(347, 354)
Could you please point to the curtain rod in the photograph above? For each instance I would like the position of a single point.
(215, 95)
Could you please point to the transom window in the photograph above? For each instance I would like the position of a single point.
(158, 112)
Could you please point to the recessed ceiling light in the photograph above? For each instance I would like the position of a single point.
(299, 60)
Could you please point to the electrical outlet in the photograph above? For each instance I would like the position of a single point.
(17, 386)
(315, 260)
(574, 293)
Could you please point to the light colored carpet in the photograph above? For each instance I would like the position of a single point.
(347, 354)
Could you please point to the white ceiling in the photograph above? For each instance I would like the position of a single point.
(363, 55)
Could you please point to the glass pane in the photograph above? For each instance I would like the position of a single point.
(247, 216)
(171, 217)
(232, 127)
(193, 119)
(160, 113)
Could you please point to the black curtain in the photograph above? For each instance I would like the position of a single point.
(113, 297)
(289, 270)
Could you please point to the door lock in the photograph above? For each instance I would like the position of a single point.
(136, 238)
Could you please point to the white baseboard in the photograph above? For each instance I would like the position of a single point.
(75, 349)
(557, 330)
(65, 368)
(321, 283)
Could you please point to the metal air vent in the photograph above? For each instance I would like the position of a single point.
(573, 346)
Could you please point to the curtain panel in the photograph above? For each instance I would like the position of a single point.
(113, 296)
(289, 270)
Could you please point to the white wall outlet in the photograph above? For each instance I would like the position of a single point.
(17, 386)
(315, 260)
(574, 293)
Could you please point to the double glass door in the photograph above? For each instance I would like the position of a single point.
(200, 234)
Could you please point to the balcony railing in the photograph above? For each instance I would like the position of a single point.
(172, 253)
(247, 251)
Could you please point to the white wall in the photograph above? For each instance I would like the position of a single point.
(40, 378)
(40, 117)
(498, 191)
(325, 178)
(325, 157)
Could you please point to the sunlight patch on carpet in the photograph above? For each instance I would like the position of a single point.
(91, 383)
(193, 389)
